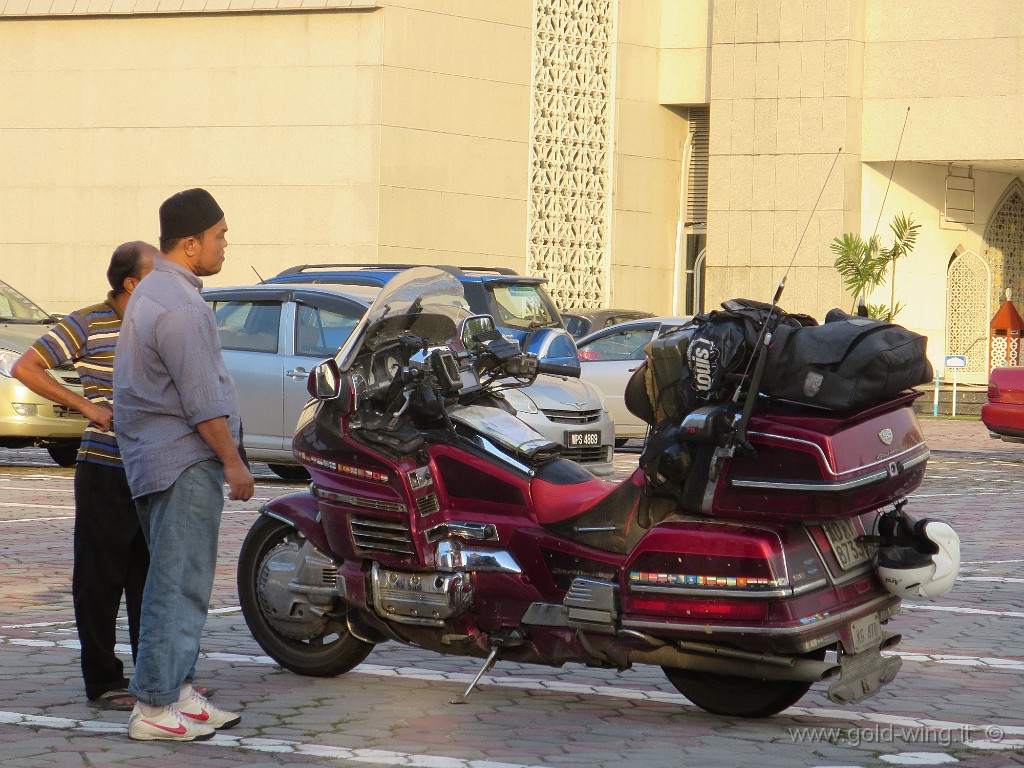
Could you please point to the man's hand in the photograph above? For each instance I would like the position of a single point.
(100, 416)
(240, 481)
(236, 474)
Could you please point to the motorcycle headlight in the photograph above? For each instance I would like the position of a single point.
(520, 401)
(7, 358)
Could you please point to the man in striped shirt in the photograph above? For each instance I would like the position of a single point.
(111, 557)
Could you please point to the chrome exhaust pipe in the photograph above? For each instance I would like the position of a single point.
(738, 664)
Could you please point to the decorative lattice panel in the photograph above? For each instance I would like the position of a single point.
(1005, 240)
(570, 149)
(1003, 351)
(967, 314)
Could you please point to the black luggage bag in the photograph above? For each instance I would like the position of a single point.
(846, 363)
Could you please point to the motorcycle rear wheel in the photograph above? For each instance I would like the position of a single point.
(331, 653)
(738, 696)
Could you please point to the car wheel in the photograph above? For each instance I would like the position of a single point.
(64, 455)
(289, 471)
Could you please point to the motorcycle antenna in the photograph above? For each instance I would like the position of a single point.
(892, 171)
(764, 336)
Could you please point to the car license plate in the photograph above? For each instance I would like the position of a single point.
(842, 535)
(591, 439)
(865, 633)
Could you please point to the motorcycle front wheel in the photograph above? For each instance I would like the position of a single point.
(738, 696)
(326, 648)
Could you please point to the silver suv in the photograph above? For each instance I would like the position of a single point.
(26, 419)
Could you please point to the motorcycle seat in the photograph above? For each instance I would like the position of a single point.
(556, 502)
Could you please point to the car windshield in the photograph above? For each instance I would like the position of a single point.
(15, 308)
(523, 307)
(423, 302)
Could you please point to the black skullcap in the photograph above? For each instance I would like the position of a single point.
(188, 213)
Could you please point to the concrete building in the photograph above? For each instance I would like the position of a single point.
(661, 154)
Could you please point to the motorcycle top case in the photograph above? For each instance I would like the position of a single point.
(847, 363)
(812, 464)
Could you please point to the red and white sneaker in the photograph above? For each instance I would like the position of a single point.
(198, 709)
(169, 724)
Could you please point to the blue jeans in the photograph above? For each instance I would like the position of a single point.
(181, 526)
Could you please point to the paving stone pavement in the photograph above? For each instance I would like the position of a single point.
(963, 668)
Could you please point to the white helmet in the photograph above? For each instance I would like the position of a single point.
(922, 560)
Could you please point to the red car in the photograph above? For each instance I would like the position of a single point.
(1003, 414)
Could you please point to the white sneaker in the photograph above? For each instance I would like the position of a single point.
(168, 724)
(199, 710)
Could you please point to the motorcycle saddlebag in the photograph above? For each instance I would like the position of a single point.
(846, 363)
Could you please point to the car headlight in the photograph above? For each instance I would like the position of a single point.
(7, 358)
(520, 401)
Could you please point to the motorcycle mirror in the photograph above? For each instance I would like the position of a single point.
(324, 381)
(475, 329)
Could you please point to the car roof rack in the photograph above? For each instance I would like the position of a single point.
(457, 271)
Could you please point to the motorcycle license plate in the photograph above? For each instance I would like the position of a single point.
(865, 633)
(590, 439)
(842, 536)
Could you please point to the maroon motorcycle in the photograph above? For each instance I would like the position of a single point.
(764, 550)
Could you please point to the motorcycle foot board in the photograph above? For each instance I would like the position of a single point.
(862, 675)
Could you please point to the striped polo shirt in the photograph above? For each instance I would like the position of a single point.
(86, 338)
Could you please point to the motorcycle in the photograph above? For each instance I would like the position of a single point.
(437, 519)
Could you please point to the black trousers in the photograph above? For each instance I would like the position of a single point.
(111, 559)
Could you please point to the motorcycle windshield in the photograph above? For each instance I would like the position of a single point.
(424, 302)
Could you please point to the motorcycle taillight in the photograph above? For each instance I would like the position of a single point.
(706, 570)
(680, 607)
(709, 555)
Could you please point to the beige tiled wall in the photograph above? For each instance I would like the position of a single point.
(784, 86)
(454, 134)
(278, 115)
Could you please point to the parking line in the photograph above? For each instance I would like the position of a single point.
(260, 744)
(966, 611)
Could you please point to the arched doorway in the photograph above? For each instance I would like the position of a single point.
(967, 315)
(1004, 247)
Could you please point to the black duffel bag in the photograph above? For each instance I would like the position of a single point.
(846, 363)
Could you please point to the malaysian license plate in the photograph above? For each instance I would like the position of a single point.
(590, 439)
(865, 633)
(842, 536)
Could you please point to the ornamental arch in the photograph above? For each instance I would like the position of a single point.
(1004, 247)
(967, 312)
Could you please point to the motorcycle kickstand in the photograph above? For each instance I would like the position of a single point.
(488, 663)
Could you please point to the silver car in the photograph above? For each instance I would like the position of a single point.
(273, 334)
(610, 356)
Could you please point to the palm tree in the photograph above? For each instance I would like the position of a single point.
(863, 264)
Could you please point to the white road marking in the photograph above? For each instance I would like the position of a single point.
(965, 611)
(36, 519)
(271, 746)
(989, 562)
(990, 663)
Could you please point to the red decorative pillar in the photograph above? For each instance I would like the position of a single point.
(1004, 338)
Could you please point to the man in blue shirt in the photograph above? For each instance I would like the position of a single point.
(177, 422)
